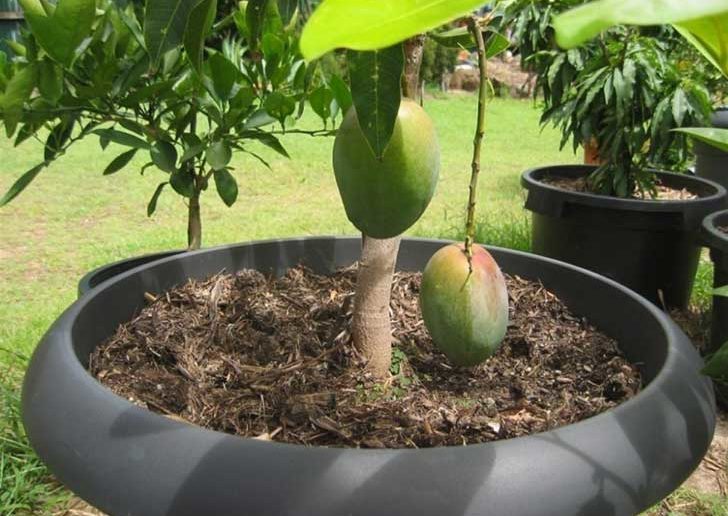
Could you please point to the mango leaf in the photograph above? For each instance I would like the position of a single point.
(226, 186)
(120, 162)
(376, 91)
(495, 44)
(721, 291)
(198, 27)
(218, 155)
(368, 25)
(62, 32)
(708, 36)
(716, 137)
(16, 93)
(717, 365)
(21, 184)
(122, 138)
(287, 8)
(582, 23)
(679, 106)
(152, 206)
(341, 92)
(164, 156)
(254, 18)
(461, 37)
(165, 22)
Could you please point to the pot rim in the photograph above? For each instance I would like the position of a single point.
(715, 238)
(530, 180)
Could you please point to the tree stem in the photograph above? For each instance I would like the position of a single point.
(371, 326)
(194, 223)
(474, 28)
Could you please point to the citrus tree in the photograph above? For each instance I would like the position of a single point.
(170, 80)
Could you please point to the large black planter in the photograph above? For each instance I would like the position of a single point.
(712, 163)
(652, 247)
(718, 243)
(130, 461)
(99, 275)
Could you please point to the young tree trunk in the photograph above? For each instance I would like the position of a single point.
(371, 326)
(194, 223)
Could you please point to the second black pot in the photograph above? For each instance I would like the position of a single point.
(717, 240)
(650, 246)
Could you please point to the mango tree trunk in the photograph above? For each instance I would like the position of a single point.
(371, 325)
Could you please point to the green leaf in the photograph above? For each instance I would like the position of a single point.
(268, 140)
(341, 91)
(320, 100)
(496, 44)
(120, 162)
(16, 93)
(368, 25)
(679, 106)
(165, 22)
(122, 138)
(716, 137)
(218, 154)
(287, 8)
(717, 365)
(183, 183)
(191, 152)
(57, 138)
(62, 32)
(198, 27)
(226, 186)
(152, 206)
(582, 23)
(164, 156)
(279, 106)
(721, 291)
(224, 75)
(259, 118)
(254, 18)
(50, 81)
(20, 184)
(708, 36)
(375, 87)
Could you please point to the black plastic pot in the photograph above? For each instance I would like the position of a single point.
(718, 243)
(97, 276)
(712, 163)
(127, 460)
(653, 247)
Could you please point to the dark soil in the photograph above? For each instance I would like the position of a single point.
(579, 184)
(272, 358)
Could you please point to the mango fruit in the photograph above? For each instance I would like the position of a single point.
(384, 197)
(465, 312)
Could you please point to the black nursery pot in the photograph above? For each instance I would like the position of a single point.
(97, 276)
(127, 460)
(718, 243)
(712, 163)
(652, 247)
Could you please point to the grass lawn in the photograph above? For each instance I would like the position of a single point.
(72, 219)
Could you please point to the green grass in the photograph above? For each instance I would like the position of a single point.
(72, 219)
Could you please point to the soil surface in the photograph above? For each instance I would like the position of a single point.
(273, 359)
(664, 193)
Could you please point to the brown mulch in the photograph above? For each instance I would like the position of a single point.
(272, 358)
(664, 193)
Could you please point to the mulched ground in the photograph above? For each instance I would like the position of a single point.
(664, 193)
(272, 358)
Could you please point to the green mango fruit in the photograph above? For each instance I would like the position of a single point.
(465, 312)
(384, 197)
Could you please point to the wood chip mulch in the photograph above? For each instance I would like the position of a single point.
(664, 193)
(273, 359)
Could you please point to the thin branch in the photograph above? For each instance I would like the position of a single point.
(474, 28)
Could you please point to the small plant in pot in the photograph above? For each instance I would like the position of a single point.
(627, 94)
(306, 356)
(127, 76)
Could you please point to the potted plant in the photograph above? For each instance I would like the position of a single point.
(621, 217)
(126, 459)
(112, 76)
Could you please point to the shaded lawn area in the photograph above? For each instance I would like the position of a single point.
(73, 219)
